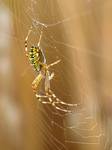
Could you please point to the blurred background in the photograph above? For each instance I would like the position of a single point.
(79, 33)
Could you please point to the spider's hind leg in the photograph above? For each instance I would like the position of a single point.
(47, 97)
(60, 105)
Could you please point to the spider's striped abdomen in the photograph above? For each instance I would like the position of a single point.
(36, 57)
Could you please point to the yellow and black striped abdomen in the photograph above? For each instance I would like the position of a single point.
(36, 57)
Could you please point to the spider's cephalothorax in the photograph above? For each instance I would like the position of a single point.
(36, 57)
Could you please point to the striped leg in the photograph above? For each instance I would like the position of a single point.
(41, 97)
(60, 105)
(26, 41)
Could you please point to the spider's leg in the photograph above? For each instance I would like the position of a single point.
(54, 63)
(40, 38)
(35, 85)
(36, 82)
(48, 77)
(41, 97)
(52, 97)
(60, 105)
(47, 81)
(60, 101)
(26, 41)
(55, 104)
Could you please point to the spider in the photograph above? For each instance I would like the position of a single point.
(37, 59)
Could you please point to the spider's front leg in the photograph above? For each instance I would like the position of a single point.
(26, 41)
(54, 63)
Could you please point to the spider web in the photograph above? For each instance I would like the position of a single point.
(81, 128)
